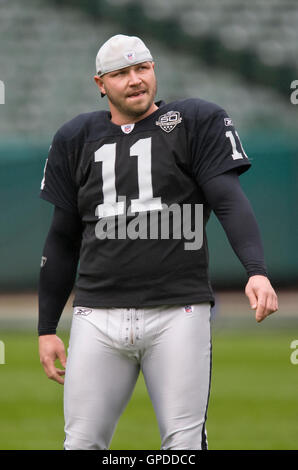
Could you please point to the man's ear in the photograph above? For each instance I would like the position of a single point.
(99, 82)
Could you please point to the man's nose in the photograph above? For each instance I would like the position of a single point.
(134, 78)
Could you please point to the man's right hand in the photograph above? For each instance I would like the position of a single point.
(51, 347)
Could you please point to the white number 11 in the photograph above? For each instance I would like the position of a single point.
(145, 202)
(235, 155)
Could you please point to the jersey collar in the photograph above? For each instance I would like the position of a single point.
(159, 105)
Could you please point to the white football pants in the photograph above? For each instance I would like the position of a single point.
(107, 349)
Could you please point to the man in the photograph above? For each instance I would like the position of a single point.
(128, 188)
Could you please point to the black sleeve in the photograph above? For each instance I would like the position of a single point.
(58, 185)
(216, 147)
(231, 206)
(58, 268)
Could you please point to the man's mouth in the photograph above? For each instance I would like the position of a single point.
(137, 94)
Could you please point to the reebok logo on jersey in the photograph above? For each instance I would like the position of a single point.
(228, 122)
(82, 311)
(167, 122)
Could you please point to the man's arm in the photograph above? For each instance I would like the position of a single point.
(57, 276)
(227, 199)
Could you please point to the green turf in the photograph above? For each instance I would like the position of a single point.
(253, 402)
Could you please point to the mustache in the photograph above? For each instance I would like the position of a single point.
(140, 90)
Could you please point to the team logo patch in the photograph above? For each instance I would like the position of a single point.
(188, 309)
(127, 128)
(167, 122)
(228, 122)
(43, 261)
(82, 311)
(130, 56)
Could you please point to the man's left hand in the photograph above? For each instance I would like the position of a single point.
(261, 296)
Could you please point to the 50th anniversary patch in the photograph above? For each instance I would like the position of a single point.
(167, 122)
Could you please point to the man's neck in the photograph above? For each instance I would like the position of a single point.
(119, 119)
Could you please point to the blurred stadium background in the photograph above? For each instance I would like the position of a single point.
(240, 55)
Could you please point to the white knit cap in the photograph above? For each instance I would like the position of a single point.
(119, 52)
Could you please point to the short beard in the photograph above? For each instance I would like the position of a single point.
(132, 113)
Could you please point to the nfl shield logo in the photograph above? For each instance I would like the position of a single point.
(127, 128)
(130, 55)
(188, 309)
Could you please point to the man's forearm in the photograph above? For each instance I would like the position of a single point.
(57, 276)
(234, 211)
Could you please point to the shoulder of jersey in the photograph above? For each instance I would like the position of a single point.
(194, 108)
(84, 125)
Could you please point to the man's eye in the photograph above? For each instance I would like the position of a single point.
(118, 73)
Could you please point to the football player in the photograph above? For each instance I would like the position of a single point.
(132, 186)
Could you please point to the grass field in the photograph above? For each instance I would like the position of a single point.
(253, 402)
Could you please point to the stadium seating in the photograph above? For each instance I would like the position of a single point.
(268, 26)
(47, 63)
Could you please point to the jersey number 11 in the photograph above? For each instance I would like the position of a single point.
(145, 202)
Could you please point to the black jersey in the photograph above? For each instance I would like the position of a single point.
(135, 188)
